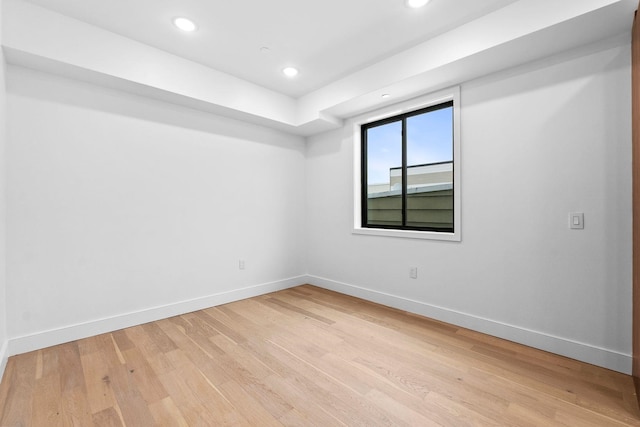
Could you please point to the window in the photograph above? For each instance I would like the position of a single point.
(409, 178)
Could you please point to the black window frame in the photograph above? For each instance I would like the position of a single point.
(363, 168)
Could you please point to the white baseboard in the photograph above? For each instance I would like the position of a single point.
(69, 333)
(4, 357)
(576, 350)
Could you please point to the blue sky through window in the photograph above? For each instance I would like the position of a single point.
(429, 140)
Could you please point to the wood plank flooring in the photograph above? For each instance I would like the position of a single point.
(307, 357)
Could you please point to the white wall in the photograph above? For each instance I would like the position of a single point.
(122, 209)
(538, 142)
(3, 283)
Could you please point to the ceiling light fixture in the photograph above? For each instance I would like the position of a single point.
(385, 96)
(414, 4)
(290, 71)
(185, 24)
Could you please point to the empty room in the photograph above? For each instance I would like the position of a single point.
(336, 213)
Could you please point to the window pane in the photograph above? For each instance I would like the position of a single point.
(384, 174)
(430, 170)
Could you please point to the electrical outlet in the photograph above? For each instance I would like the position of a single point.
(241, 264)
(413, 272)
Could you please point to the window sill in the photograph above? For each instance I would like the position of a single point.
(408, 234)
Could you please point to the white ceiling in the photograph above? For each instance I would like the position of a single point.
(326, 39)
(349, 52)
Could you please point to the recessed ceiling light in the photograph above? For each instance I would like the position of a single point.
(185, 24)
(290, 71)
(385, 96)
(414, 4)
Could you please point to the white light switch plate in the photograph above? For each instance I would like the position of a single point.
(576, 220)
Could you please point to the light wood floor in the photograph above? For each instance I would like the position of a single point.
(302, 357)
